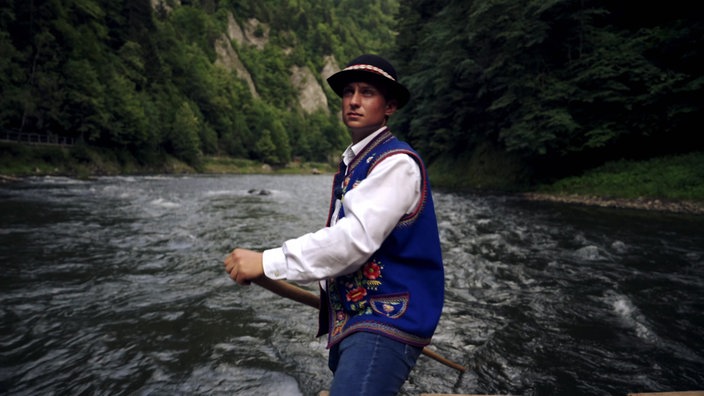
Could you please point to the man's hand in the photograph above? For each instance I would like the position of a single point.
(244, 266)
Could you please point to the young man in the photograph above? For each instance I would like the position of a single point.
(378, 259)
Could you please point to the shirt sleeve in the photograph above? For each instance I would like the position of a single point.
(372, 209)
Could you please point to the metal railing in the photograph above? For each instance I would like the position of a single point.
(35, 138)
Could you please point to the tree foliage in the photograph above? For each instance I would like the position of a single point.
(132, 76)
(564, 84)
(561, 84)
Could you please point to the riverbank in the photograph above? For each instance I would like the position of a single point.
(652, 204)
(669, 184)
(674, 184)
(23, 160)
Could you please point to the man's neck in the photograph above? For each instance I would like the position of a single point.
(359, 134)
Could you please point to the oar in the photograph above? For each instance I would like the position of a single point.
(295, 293)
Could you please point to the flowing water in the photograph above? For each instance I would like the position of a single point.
(116, 286)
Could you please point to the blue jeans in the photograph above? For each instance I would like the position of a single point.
(367, 364)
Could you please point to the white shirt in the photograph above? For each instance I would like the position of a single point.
(372, 210)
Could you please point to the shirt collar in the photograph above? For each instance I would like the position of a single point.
(354, 149)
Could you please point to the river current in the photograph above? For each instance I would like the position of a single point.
(115, 286)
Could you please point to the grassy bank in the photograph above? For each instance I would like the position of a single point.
(674, 183)
(671, 178)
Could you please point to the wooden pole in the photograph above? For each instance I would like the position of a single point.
(295, 293)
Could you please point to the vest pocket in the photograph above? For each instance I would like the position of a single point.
(392, 306)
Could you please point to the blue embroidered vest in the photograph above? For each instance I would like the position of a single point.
(399, 291)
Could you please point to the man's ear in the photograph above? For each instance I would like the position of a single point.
(391, 107)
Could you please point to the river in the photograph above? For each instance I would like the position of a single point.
(115, 286)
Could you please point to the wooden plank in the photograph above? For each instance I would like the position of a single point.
(326, 393)
(683, 393)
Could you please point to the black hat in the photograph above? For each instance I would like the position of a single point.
(374, 69)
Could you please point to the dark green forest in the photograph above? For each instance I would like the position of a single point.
(525, 91)
(555, 86)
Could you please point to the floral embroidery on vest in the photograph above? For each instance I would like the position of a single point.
(352, 299)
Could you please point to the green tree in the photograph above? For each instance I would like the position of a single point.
(281, 141)
(184, 138)
(266, 149)
(84, 107)
(129, 123)
(12, 94)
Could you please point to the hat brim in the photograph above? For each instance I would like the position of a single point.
(341, 79)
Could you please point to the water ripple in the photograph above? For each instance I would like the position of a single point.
(116, 286)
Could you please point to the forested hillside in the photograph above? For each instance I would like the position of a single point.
(551, 87)
(185, 78)
(503, 91)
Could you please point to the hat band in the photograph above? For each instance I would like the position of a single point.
(371, 68)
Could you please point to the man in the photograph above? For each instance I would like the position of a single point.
(378, 259)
